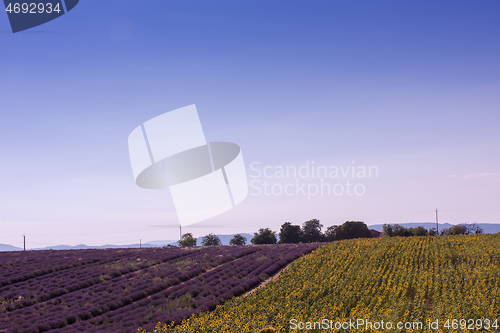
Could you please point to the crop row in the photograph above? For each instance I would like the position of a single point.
(29, 268)
(48, 286)
(128, 281)
(22, 266)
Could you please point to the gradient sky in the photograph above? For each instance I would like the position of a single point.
(411, 87)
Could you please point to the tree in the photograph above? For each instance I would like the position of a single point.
(401, 231)
(264, 236)
(398, 230)
(187, 240)
(211, 239)
(290, 233)
(457, 230)
(238, 240)
(388, 230)
(331, 233)
(352, 229)
(420, 231)
(472, 228)
(432, 232)
(311, 231)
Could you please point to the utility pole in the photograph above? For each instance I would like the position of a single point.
(24, 238)
(437, 225)
(140, 243)
(180, 232)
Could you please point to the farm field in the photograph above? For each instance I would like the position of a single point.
(118, 290)
(451, 281)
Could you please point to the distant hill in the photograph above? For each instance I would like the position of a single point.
(159, 242)
(5, 247)
(107, 246)
(224, 239)
(488, 228)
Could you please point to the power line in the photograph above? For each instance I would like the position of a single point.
(437, 225)
(191, 226)
(470, 210)
(397, 215)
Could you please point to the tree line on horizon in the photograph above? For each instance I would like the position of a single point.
(310, 232)
(395, 230)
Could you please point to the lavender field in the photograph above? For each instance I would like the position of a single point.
(118, 290)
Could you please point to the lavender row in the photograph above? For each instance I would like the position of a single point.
(202, 293)
(105, 291)
(29, 270)
(12, 262)
(48, 286)
(110, 295)
(21, 266)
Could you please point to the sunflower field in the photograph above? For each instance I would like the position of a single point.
(413, 284)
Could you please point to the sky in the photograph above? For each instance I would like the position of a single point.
(409, 88)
